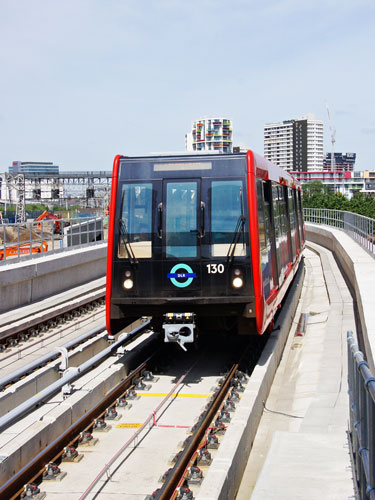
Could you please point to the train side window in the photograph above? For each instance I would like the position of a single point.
(136, 220)
(262, 233)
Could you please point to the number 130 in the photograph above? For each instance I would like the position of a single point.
(215, 268)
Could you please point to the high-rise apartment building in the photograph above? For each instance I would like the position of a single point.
(210, 134)
(295, 145)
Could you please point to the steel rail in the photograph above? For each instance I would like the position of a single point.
(30, 367)
(15, 485)
(177, 473)
(49, 316)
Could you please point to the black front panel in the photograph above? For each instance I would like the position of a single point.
(180, 233)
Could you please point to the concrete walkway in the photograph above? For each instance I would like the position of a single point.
(301, 449)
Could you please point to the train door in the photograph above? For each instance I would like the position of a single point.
(267, 255)
(298, 225)
(181, 232)
(292, 222)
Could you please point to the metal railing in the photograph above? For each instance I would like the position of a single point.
(358, 227)
(33, 239)
(362, 420)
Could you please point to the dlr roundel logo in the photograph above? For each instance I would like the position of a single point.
(181, 272)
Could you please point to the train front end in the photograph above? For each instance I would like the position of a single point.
(179, 245)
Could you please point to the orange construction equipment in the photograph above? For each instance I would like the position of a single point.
(50, 216)
(23, 250)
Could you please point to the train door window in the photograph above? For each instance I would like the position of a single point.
(278, 229)
(301, 215)
(181, 219)
(270, 233)
(285, 248)
(264, 240)
(135, 221)
(298, 233)
(227, 206)
(292, 222)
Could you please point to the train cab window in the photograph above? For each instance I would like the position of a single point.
(227, 207)
(181, 219)
(135, 220)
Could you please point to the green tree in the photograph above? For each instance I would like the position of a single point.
(36, 207)
(314, 188)
(362, 204)
(316, 195)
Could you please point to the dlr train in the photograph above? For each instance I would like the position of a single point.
(201, 242)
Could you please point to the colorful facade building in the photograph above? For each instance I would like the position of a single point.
(211, 134)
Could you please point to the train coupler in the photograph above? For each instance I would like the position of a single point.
(179, 328)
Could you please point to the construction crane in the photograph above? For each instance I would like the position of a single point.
(17, 182)
(333, 140)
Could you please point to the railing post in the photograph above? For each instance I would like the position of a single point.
(370, 386)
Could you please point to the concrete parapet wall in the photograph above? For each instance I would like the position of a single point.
(359, 271)
(26, 388)
(26, 282)
(43, 432)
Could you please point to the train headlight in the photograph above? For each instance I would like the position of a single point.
(128, 274)
(128, 284)
(237, 282)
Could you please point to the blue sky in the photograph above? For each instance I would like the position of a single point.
(84, 80)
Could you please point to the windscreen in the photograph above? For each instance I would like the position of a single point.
(226, 209)
(136, 220)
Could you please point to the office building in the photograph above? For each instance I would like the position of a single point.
(33, 168)
(295, 145)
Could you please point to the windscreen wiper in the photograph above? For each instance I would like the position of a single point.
(240, 229)
(125, 240)
(236, 237)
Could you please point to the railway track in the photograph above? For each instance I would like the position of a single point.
(26, 324)
(33, 443)
(163, 407)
